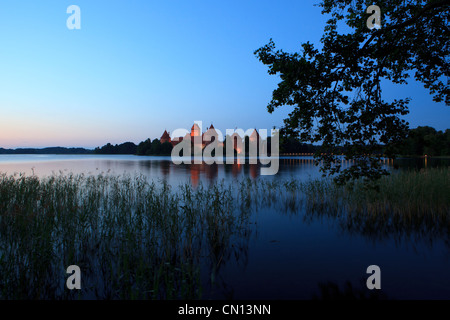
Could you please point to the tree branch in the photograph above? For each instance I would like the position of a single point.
(408, 22)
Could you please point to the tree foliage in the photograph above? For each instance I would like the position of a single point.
(155, 147)
(336, 92)
(426, 141)
(51, 150)
(124, 148)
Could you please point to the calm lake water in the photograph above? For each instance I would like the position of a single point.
(158, 168)
(287, 255)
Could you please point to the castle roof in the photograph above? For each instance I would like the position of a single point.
(254, 135)
(165, 136)
(195, 130)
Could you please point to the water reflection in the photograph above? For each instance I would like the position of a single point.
(332, 291)
(254, 171)
(236, 169)
(162, 168)
(421, 163)
(270, 216)
(165, 168)
(196, 173)
(401, 229)
(212, 171)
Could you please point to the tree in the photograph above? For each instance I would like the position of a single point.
(143, 147)
(127, 148)
(290, 144)
(166, 149)
(155, 148)
(446, 143)
(336, 91)
(124, 148)
(425, 141)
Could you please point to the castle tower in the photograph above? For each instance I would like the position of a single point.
(165, 137)
(254, 137)
(211, 135)
(195, 130)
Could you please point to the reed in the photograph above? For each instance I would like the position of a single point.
(133, 238)
(406, 193)
(406, 202)
(140, 239)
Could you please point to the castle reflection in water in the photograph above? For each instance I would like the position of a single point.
(210, 172)
(292, 166)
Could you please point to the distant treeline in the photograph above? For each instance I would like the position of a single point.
(155, 147)
(144, 148)
(52, 150)
(419, 142)
(124, 148)
(293, 145)
(425, 141)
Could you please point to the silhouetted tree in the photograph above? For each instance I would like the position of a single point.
(166, 149)
(425, 141)
(50, 150)
(143, 147)
(155, 148)
(124, 148)
(335, 92)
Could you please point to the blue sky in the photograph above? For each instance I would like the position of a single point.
(137, 68)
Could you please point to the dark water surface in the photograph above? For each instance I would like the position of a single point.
(287, 254)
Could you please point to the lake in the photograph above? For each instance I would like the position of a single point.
(286, 254)
(154, 167)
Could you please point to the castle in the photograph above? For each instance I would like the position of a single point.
(212, 134)
(195, 132)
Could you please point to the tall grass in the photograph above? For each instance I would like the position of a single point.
(405, 202)
(132, 239)
(137, 239)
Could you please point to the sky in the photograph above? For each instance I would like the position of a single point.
(137, 68)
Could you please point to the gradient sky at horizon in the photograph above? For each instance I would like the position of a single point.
(137, 68)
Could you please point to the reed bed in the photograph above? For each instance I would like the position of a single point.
(139, 239)
(132, 239)
(405, 202)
